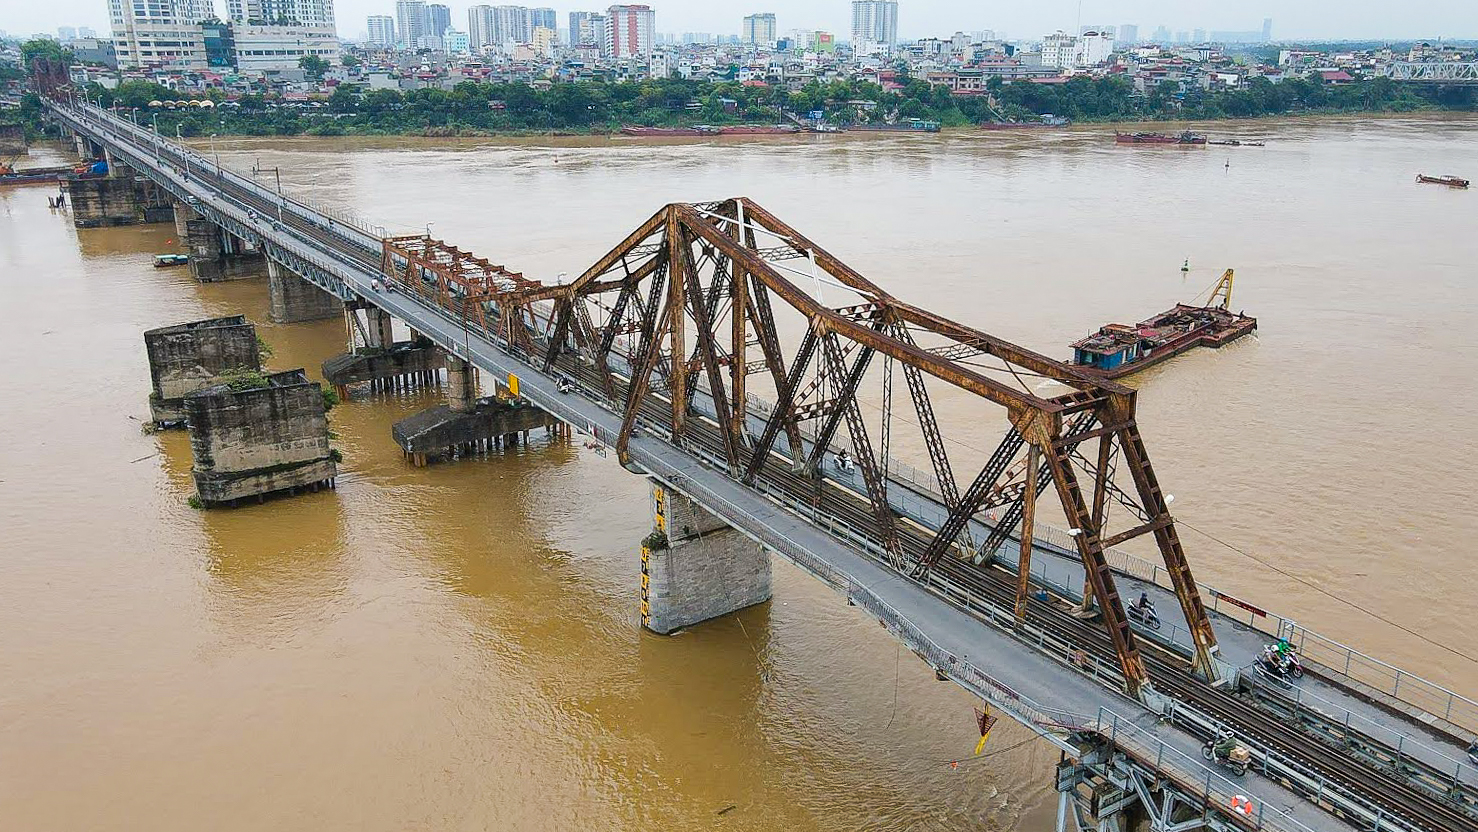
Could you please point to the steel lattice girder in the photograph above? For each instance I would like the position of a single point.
(719, 239)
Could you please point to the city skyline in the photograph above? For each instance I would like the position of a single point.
(1314, 19)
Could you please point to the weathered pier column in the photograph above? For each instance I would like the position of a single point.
(292, 299)
(216, 255)
(467, 424)
(259, 436)
(383, 363)
(182, 214)
(188, 357)
(696, 567)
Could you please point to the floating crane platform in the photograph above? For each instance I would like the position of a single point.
(1117, 350)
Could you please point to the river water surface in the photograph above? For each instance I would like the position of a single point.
(456, 647)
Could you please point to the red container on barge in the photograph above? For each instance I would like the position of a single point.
(1117, 350)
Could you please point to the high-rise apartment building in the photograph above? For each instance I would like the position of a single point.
(159, 32)
(480, 28)
(310, 13)
(587, 29)
(1128, 34)
(65, 33)
(543, 17)
(511, 24)
(381, 29)
(630, 31)
(412, 23)
(438, 19)
(874, 26)
(759, 29)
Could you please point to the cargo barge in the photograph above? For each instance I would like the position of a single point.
(1117, 350)
(1449, 181)
(1186, 139)
(630, 130)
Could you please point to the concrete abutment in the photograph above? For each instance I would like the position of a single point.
(695, 567)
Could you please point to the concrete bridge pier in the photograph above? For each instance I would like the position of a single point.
(695, 567)
(120, 198)
(383, 364)
(215, 254)
(291, 299)
(186, 358)
(468, 425)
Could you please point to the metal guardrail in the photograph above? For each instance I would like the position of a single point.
(1192, 775)
(1403, 746)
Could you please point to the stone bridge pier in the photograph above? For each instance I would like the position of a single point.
(383, 363)
(695, 567)
(292, 299)
(215, 254)
(122, 197)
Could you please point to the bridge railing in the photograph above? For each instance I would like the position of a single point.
(1193, 775)
(1404, 752)
(1333, 658)
(148, 137)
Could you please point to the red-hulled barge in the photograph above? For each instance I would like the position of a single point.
(1117, 350)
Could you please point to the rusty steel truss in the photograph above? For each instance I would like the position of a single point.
(712, 299)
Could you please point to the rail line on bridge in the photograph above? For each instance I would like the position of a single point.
(661, 336)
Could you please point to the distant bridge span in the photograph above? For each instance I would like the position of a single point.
(662, 339)
(1433, 72)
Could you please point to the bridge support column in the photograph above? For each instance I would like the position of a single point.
(291, 299)
(182, 216)
(468, 425)
(695, 567)
(461, 384)
(267, 438)
(378, 329)
(215, 255)
(399, 365)
(186, 358)
(99, 202)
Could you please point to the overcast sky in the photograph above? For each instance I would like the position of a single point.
(922, 18)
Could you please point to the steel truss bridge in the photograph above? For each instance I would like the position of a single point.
(1433, 72)
(724, 354)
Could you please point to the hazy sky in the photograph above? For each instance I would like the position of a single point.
(921, 18)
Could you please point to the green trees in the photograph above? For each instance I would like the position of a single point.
(313, 66)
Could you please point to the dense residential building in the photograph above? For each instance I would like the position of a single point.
(759, 29)
(312, 13)
(455, 42)
(631, 31)
(381, 29)
(874, 26)
(163, 33)
(411, 22)
(543, 41)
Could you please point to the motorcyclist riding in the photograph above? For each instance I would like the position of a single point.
(1225, 743)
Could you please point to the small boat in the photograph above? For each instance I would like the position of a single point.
(1237, 143)
(1449, 181)
(165, 260)
(1184, 139)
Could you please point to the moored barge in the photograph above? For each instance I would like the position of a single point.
(1449, 181)
(1117, 350)
(1186, 139)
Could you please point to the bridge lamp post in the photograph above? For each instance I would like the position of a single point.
(154, 118)
(184, 154)
(216, 154)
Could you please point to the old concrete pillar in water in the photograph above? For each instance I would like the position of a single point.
(259, 437)
(378, 328)
(188, 357)
(695, 567)
(216, 255)
(461, 384)
(291, 299)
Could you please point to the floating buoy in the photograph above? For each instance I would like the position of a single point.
(1242, 805)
